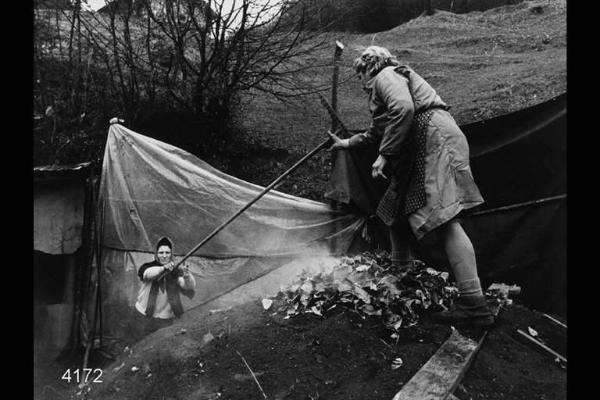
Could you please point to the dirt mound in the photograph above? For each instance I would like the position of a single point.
(340, 356)
(329, 336)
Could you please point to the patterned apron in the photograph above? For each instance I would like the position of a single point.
(406, 192)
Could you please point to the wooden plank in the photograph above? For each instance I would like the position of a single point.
(440, 375)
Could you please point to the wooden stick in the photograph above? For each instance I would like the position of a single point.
(519, 205)
(337, 55)
(342, 130)
(244, 208)
(543, 346)
(555, 320)
(254, 376)
(386, 343)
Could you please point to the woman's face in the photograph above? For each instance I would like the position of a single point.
(163, 254)
(364, 78)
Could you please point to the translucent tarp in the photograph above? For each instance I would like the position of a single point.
(57, 217)
(151, 189)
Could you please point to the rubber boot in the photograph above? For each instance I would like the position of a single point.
(472, 310)
(402, 255)
(403, 265)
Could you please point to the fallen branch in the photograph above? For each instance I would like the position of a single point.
(386, 343)
(555, 320)
(251, 372)
(543, 346)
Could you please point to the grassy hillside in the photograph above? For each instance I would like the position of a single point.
(483, 64)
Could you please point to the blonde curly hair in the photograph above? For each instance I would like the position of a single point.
(373, 59)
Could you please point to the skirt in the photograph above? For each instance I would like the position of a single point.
(449, 186)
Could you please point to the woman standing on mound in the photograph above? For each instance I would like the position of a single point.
(425, 156)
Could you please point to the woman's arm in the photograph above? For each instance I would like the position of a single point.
(187, 281)
(355, 141)
(393, 90)
(362, 139)
(152, 273)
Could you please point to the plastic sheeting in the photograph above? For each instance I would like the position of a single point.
(151, 189)
(58, 216)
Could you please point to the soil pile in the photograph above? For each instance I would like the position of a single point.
(342, 352)
(341, 356)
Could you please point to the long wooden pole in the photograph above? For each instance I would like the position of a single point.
(98, 302)
(249, 204)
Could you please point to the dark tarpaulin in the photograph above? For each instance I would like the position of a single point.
(520, 156)
(519, 163)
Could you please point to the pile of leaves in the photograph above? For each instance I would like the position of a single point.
(370, 286)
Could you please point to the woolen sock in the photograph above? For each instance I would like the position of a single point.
(401, 240)
(469, 287)
(402, 257)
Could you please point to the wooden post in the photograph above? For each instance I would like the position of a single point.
(82, 262)
(97, 319)
(337, 55)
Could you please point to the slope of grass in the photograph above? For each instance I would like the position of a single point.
(483, 64)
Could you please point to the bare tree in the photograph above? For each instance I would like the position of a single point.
(223, 50)
(136, 57)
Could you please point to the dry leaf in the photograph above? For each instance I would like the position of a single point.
(397, 363)
(267, 303)
(532, 331)
(207, 338)
(119, 367)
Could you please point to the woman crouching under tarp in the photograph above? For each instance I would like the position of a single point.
(425, 157)
(158, 298)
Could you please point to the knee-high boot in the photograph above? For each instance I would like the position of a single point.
(402, 242)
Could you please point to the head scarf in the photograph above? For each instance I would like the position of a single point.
(373, 59)
(163, 241)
